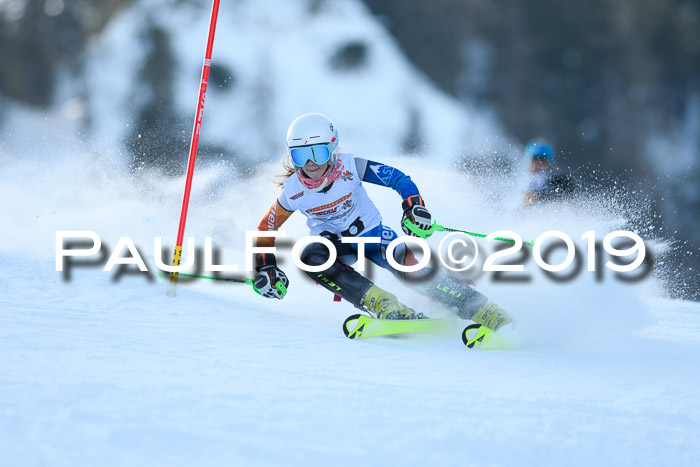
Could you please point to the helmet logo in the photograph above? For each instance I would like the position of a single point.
(331, 127)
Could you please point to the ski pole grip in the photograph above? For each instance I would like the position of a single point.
(279, 286)
(420, 232)
(251, 283)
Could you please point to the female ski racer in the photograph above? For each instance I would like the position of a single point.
(326, 186)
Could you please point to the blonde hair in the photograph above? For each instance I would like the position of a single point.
(289, 170)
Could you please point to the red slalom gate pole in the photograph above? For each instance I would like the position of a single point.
(194, 143)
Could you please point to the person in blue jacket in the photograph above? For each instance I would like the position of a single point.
(547, 182)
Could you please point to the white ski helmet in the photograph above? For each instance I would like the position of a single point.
(313, 137)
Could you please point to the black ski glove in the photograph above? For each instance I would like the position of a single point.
(414, 210)
(267, 277)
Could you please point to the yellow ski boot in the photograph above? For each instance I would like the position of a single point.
(492, 316)
(385, 305)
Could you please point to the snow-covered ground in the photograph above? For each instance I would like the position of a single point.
(108, 370)
(105, 369)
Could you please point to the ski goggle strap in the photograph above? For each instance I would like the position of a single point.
(317, 153)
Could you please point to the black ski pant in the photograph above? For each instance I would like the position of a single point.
(343, 280)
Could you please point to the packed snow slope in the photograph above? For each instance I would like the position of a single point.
(105, 369)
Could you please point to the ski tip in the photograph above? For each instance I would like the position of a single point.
(473, 334)
(352, 327)
(480, 337)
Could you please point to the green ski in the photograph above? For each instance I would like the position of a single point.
(480, 337)
(363, 326)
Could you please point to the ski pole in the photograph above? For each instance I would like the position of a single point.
(427, 233)
(194, 143)
(279, 286)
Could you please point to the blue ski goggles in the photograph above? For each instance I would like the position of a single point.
(316, 153)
